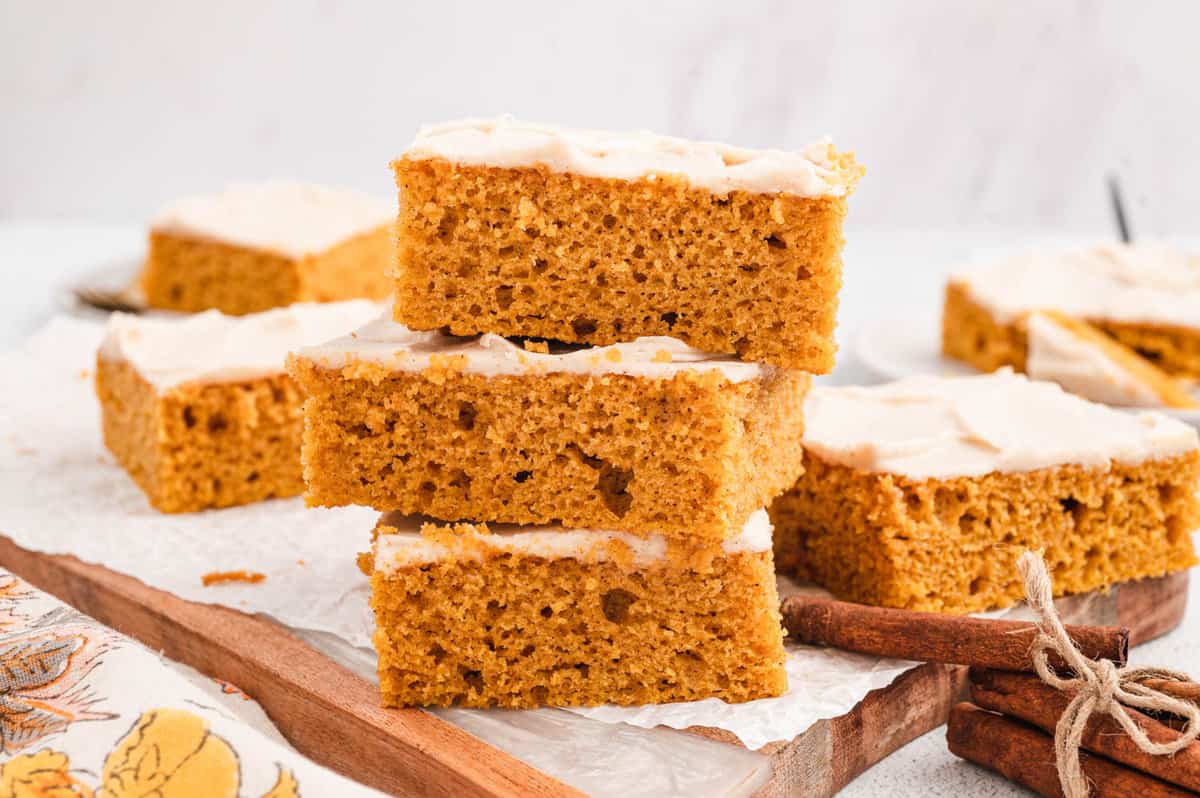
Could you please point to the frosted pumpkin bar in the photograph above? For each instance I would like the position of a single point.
(200, 411)
(1145, 296)
(258, 246)
(598, 237)
(922, 493)
(523, 617)
(647, 436)
(1088, 363)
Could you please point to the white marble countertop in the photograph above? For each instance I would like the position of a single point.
(887, 275)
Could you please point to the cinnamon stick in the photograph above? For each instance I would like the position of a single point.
(1025, 755)
(933, 637)
(1188, 691)
(1029, 698)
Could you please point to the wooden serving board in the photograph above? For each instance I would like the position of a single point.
(332, 715)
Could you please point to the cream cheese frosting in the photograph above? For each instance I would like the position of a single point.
(396, 347)
(1058, 355)
(288, 218)
(1147, 283)
(408, 547)
(211, 347)
(508, 143)
(941, 427)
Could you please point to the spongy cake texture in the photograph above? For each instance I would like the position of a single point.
(689, 457)
(951, 545)
(515, 630)
(530, 251)
(194, 274)
(203, 445)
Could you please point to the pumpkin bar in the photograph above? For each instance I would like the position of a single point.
(1088, 363)
(922, 493)
(597, 237)
(647, 436)
(258, 246)
(1145, 296)
(522, 617)
(200, 411)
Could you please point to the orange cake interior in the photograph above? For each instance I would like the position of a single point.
(200, 412)
(649, 436)
(262, 246)
(922, 494)
(524, 617)
(596, 238)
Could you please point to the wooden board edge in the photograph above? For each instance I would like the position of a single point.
(1151, 608)
(833, 752)
(328, 713)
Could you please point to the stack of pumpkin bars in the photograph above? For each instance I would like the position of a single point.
(590, 387)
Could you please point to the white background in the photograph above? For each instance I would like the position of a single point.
(965, 114)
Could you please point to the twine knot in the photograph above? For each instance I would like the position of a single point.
(1099, 686)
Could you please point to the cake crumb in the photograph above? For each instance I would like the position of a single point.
(777, 212)
(662, 356)
(224, 577)
(541, 347)
(613, 355)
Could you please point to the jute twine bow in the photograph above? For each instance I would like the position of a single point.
(1099, 686)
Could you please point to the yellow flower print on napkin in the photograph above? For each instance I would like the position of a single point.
(285, 786)
(45, 774)
(171, 753)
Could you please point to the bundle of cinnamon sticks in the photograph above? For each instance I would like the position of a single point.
(1008, 725)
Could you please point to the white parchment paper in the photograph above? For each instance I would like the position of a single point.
(61, 492)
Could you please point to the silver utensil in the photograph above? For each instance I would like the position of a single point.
(1118, 207)
(107, 301)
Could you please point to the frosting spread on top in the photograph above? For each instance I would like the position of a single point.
(288, 218)
(941, 427)
(408, 547)
(212, 347)
(1119, 282)
(1058, 355)
(396, 347)
(508, 143)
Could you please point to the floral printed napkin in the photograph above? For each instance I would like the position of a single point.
(85, 711)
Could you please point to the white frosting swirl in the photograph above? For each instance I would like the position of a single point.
(507, 143)
(396, 347)
(1148, 283)
(941, 427)
(288, 218)
(212, 347)
(1058, 355)
(408, 547)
